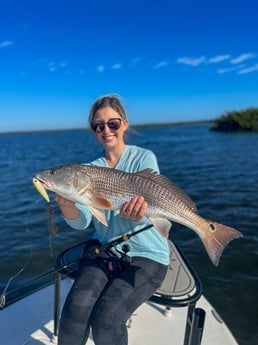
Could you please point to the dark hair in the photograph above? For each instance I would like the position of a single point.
(112, 101)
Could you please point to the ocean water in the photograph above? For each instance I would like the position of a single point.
(218, 170)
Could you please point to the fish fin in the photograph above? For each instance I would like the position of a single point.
(99, 214)
(168, 184)
(100, 201)
(162, 225)
(216, 239)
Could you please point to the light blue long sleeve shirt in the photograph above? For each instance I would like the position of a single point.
(150, 243)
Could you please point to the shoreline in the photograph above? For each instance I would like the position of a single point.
(143, 125)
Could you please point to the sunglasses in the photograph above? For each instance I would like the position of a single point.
(99, 126)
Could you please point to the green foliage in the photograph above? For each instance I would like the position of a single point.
(244, 120)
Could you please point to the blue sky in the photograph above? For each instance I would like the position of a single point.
(169, 60)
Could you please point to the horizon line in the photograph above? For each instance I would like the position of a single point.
(144, 125)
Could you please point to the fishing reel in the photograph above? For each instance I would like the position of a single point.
(124, 257)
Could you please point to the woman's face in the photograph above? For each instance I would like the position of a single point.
(109, 137)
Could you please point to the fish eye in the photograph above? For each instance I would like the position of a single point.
(52, 171)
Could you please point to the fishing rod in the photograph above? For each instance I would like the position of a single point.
(97, 250)
(123, 238)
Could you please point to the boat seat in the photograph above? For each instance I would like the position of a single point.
(180, 288)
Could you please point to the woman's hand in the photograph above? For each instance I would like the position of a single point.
(134, 209)
(67, 207)
(63, 201)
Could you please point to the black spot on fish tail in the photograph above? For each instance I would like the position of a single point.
(216, 240)
(212, 226)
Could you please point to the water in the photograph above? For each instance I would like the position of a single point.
(219, 171)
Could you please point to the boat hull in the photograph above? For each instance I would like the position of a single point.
(30, 321)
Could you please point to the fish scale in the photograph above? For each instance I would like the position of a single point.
(115, 183)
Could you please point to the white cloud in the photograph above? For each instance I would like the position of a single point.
(219, 58)
(5, 44)
(249, 69)
(161, 64)
(43, 64)
(101, 68)
(192, 62)
(236, 64)
(242, 58)
(117, 66)
(222, 70)
(230, 69)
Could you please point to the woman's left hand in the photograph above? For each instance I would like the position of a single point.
(134, 209)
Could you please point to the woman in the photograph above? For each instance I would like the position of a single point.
(100, 298)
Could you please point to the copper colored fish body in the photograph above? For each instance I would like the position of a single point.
(102, 188)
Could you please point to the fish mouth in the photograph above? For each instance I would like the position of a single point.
(43, 182)
(41, 188)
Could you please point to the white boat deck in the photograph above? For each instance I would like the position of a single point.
(30, 321)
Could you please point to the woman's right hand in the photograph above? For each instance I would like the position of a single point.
(67, 207)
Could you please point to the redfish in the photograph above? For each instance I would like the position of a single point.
(101, 189)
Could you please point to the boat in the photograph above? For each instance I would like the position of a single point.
(176, 314)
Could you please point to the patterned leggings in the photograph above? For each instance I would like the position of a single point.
(105, 303)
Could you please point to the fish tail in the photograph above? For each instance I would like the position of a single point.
(216, 239)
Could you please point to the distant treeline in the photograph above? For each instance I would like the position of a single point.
(167, 124)
(243, 120)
